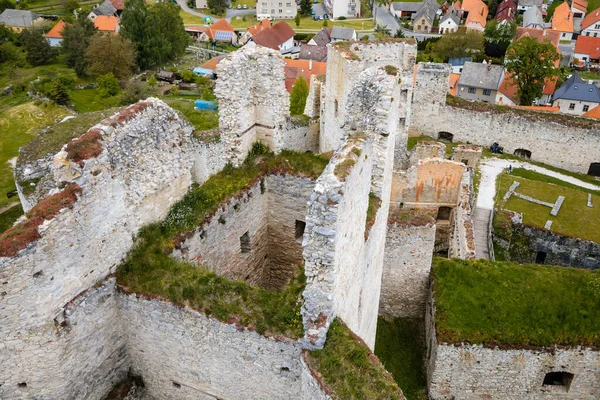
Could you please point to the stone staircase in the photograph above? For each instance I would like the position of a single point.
(481, 221)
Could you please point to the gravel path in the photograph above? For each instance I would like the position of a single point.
(492, 167)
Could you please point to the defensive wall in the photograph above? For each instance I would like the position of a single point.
(470, 371)
(565, 142)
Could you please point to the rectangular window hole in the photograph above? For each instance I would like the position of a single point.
(245, 245)
(300, 226)
(561, 378)
(177, 385)
(22, 385)
(540, 257)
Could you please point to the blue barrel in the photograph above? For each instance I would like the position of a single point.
(206, 105)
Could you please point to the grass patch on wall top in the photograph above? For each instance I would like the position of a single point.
(150, 270)
(513, 305)
(348, 368)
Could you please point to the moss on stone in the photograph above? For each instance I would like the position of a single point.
(342, 170)
(374, 204)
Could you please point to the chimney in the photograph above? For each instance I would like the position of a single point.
(309, 63)
(489, 66)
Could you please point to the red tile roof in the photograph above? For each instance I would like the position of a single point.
(588, 45)
(220, 26)
(56, 31)
(591, 19)
(212, 63)
(274, 36)
(541, 108)
(593, 113)
(509, 88)
(106, 23)
(295, 68)
(580, 5)
(539, 34)
(452, 82)
(562, 20)
(118, 4)
(506, 10)
(264, 24)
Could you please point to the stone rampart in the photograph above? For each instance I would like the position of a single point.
(256, 237)
(253, 101)
(462, 244)
(407, 263)
(426, 149)
(146, 153)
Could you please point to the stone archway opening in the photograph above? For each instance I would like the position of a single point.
(594, 169)
(445, 136)
(522, 153)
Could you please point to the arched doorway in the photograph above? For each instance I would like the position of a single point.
(445, 136)
(522, 153)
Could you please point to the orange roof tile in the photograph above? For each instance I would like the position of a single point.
(590, 19)
(56, 31)
(452, 82)
(509, 88)
(562, 20)
(478, 14)
(106, 23)
(541, 108)
(212, 63)
(539, 34)
(275, 36)
(264, 24)
(550, 84)
(467, 5)
(580, 5)
(295, 68)
(593, 113)
(220, 26)
(588, 45)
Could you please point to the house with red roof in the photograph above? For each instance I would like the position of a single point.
(220, 31)
(277, 37)
(254, 29)
(587, 50)
(562, 21)
(476, 12)
(506, 11)
(593, 113)
(108, 24)
(590, 26)
(54, 35)
(306, 68)
(579, 9)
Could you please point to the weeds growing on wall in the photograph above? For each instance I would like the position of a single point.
(512, 305)
(374, 204)
(149, 269)
(349, 369)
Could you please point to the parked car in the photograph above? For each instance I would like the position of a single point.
(245, 6)
(239, 7)
(315, 17)
(326, 16)
(321, 17)
(312, 12)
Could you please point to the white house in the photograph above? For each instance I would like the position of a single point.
(449, 23)
(590, 26)
(342, 8)
(54, 35)
(579, 9)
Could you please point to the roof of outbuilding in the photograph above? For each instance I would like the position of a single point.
(533, 18)
(575, 88)
(105, 8)
(275, 36)
(106, 23)
(407, 6)
(531, 3)
(593, 113)
(339, 32)
(56, 31)
(480, 75)
(296, 68)
(20, 18)
(459, 61)
(311, 52)
(322, 37)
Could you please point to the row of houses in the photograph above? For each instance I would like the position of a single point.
(423, 15)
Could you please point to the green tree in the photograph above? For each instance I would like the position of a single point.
(531, 62)
(170, 26)
(70, 6)
(297, 20)
(108, 85)
(399, 33)
(38, 50)
(110, 54)
(4, 4)
(152, 83)
(498, 37)
(217, 6)
(325, 23)
(305, 7)
(134, 91)
(9, 52)
(461, 43)
(382, 31)
(76, 39)
(298, 96)
(492, 7)
(58, 92)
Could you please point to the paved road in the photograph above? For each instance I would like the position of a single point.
(385, 18)
(481, 221)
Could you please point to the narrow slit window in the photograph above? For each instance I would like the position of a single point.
(245, 244)
(300, 226)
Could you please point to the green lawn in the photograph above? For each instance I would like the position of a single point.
(511, 304)
(589, 75)
(202, 120)
(189, 19)
(8, 217)
(400, 345)
(18, 125)
(592, 5)
(88, 100)
(574, 218)
(413, 140)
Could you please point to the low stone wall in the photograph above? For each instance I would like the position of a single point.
(406, 266)
(522, 243)
(473, 372)
(426, 149)
(467, 154)
(271, 213)
(311, 388)
(182, 354)
(301, 135)
(462, 244)
(210, 160)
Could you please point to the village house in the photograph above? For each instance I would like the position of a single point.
(322, 38)
(220, 31)
(315, 53)
(562, 21)
(480, 81)
(587, 50)
(277, 37)
(54, 35)
(576, 97)
(254, 29)
(18, 20)
(533, 18)
(404, 9)
(341, 34)
(524, 5)
(506, 11)
(449, 23)
(425, 16)
(306, 68)
(108, 24)
(579, 9)
(342, 8)
(281, 9)
(476, 12)
(590, 26)
(106, 9)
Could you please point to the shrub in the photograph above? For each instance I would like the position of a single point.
(341, 18)
(58, 93)
(108, 85)
(298, 96)
(133, 92)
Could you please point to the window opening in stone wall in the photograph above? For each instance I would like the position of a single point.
(540, 258)
(445, 136)
(245, 245)
(466, 162)
(300, 226)
(594, 169)
(558, 379)
(177, 385)
(22, 385)
(444, 213)
(335, 107)
(523, 153)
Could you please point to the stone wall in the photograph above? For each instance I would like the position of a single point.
(311, 388)
(522, 244)
(210, 160)
(253, 101)
(561, 144)
(144, 167)
(268, 212)
(301, 135)
(462, 244)
(406, 266)
(426, 149)
(313, 101)
(467, 154)
(182, 354)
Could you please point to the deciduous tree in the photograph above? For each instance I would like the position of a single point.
(170, 26)
(217, 6)
(110, 54)
(531, 62)
(298, 96)
(498, 37)
(461, 43)
(305, 7)
(38, 50)
(76, 39)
